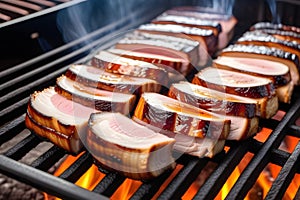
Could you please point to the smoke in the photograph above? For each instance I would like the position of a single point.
(209, 6)
(79, 20)
(273, 8)
(223, 7)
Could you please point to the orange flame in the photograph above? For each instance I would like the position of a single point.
(88, 180)
(128, 187)
(264, 182)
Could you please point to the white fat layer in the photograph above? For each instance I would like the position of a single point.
(146, 55)
(112, 58)
(92, 93)
(231, 79)
(185, 41)
(100, 75)
(260, 66)
(42, 103)
(176, 29)
(184, 63)
(159, 43)
(161, 102)
(204, 92)
(121, 133)
(187, 20)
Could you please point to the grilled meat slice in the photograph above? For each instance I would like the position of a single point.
(125, 66)
(67, 142)
(259, 38)
(239, 110)
(120, 144)
(164, 45)
(283, 35)
(205, 37)
(189, 21)
(263, 39)
(266, 53)
(213, 100)
(277, 72)
(227, 22)
(168, 63)
(200, 147)
(95, 98)
(58, 119)
(259, 89)
(98, 78)
(269, 25)
(171, 115)
(235, 83)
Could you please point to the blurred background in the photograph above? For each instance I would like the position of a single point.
(27, 36)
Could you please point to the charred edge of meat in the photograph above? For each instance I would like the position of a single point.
(278, 81)
(49, 134)
(216, 28)
(115, 160)
(92, 103)
(160, 62)
(48, 121)
(117, 87)
(263, 50)
(179, 123)
(268, 25)
(262, 37)
(215, 105)
(253, 92)
(158, 74)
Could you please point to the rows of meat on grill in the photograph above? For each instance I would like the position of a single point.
(131, 106)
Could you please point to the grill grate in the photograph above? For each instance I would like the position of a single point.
(17, 84)
(12, 11)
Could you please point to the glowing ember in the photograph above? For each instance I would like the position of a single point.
(88, 180)
(260, 189)
(125, 191)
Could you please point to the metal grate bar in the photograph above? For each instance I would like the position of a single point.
(297, 196)
(294, 131)
(148, 189)
(260, 160)
(78, 168)
(109, 184)
(23, 4)
(11, 129)
(268, 123)
(45, 3)
(186, 175)
(23, 147)
(278, 157)
(27, 89)
(48, 159)
(44, 181)
(285, 176)
(214, 183)
(13, 111)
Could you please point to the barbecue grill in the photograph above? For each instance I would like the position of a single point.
(19, 81)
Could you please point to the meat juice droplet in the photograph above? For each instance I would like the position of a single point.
(69, 107)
